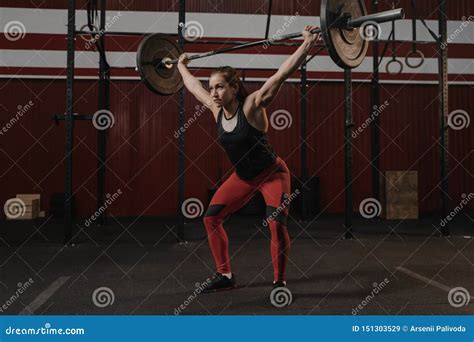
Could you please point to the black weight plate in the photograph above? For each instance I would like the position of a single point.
(347, 48)
(159, 79)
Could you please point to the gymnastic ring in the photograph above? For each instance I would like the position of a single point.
(92, 39)
(411, 54)
(394, 60)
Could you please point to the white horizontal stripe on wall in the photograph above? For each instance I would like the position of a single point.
(90, 59)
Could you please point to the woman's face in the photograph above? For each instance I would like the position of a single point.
(222, 92)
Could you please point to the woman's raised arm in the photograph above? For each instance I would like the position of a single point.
(270, 88)
(195, 86)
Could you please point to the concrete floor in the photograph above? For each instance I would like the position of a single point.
(147, 272)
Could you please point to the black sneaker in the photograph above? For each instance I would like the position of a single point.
(219, 282)
(279, 284)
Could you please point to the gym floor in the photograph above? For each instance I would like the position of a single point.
(146, 271)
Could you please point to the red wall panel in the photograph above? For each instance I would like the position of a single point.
(425, 9)
(142, 148)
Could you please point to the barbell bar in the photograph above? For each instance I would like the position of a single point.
(343, 23)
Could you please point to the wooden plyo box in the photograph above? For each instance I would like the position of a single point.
(399, 195)
(32, 205)
(27, 198)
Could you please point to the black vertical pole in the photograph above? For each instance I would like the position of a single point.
(182, 21)
(444, 108)
(269, 16)
(104, 103)
(375, 160)
(303, 150)
(348, 152)
(71, 28)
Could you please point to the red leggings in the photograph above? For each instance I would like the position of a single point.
(234, 193)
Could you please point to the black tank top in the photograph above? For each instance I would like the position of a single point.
(247, 147)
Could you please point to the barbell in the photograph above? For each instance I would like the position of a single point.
(158, 54)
